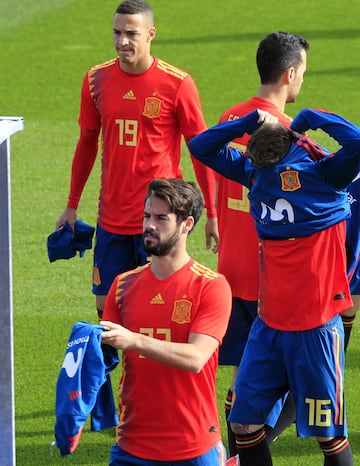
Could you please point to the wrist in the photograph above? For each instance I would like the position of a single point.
(73, 203)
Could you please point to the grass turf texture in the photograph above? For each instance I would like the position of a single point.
(46, 48)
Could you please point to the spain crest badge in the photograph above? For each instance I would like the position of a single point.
(152, 107)
(182, 311)
(290, 180)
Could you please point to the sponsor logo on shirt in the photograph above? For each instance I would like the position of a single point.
(158, 299)
(70, 365)
(75, 440)
(74, 394)
(129, 95)
(282, 212)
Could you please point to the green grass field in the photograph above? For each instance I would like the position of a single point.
(46, 48)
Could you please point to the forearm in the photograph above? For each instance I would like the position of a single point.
(343, 167)
(343, 131)
(83, 162)
(185, 356)
(212, 141)
(190, 356)
(211, 147)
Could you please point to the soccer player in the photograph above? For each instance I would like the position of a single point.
(299, 201)
(168, 317)
(143, 107)
(281, 62)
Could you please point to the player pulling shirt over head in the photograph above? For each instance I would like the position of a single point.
(298, 199)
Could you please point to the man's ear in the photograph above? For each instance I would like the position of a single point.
(189, 224)
(151, 34)
(289, 74)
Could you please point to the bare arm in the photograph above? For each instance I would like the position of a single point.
(190, 356)
(212, 233)
(206, 179)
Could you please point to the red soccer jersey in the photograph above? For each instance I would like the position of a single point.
(168, 414)
(303, 280)
(238, 244)
(143, 118)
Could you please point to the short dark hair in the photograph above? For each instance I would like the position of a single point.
(269, 144)
(183, 197)
(133, 7)
(276, 53)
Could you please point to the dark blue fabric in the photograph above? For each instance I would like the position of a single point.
(65, 242)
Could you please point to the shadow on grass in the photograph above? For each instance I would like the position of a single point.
(87, 454)
(303, 449)
(35, 415)
(34, 448)
(352, 357)
(256, 36)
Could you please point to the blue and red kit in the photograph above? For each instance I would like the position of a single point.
(300, 206)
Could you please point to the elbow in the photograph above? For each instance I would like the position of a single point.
(195, 147)
(191, 146)
(197, 366)
(89, 138)
(195, 153)
(196, 369)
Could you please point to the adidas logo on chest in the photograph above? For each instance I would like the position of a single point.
(157, 299)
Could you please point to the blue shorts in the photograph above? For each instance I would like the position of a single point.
(309, 363)
(242, 316)
(274, 415)
(214, 457)
(114, 254)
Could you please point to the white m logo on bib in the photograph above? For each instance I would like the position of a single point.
(70, 365)
(277, 214)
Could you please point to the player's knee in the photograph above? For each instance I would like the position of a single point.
(324, 439)
(242, 429)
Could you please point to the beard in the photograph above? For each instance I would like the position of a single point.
(162, 247)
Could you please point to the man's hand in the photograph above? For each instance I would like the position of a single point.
(69, 215)
(117, 336)
(266, 117)
(189, 356)
(212, 233)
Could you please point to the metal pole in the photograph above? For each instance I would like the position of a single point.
(7, 405)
